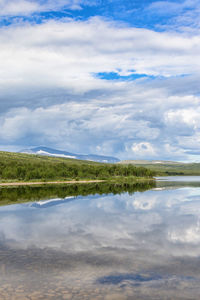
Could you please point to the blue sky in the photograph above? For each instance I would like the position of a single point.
(107, 77)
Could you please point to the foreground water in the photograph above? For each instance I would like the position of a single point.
(133, 245)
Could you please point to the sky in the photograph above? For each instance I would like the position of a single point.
(117, 78)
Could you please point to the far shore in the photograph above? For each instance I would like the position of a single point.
(49, 182)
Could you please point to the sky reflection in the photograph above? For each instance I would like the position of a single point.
(152, 236)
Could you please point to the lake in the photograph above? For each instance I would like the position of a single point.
(113, 242)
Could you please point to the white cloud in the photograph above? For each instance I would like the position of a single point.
(67, 54)
(18, 7)
(47, 78)
(27, 7)
(171, 7)
(143, 149)
(181, 15)
(188, 117)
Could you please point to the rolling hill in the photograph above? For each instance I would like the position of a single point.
(161, 167)
(32, 167)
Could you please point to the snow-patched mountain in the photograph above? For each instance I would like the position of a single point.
(64, 154)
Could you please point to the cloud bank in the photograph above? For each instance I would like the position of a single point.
(51, 92)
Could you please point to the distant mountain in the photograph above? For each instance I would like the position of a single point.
(65, 154)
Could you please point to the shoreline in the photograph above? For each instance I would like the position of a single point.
(20, 183)
(48, 182)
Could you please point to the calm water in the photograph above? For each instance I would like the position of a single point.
(179, 178)
(138, 245)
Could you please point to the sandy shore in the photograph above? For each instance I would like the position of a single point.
(48, 182)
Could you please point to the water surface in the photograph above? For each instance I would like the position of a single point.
(179, 178)
(132, 245)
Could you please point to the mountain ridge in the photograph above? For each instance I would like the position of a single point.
(42, 150)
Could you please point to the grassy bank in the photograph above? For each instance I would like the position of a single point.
(18, 167)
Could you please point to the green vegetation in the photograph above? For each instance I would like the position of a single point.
(14, 195)
(167, 168)
(26, 167)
